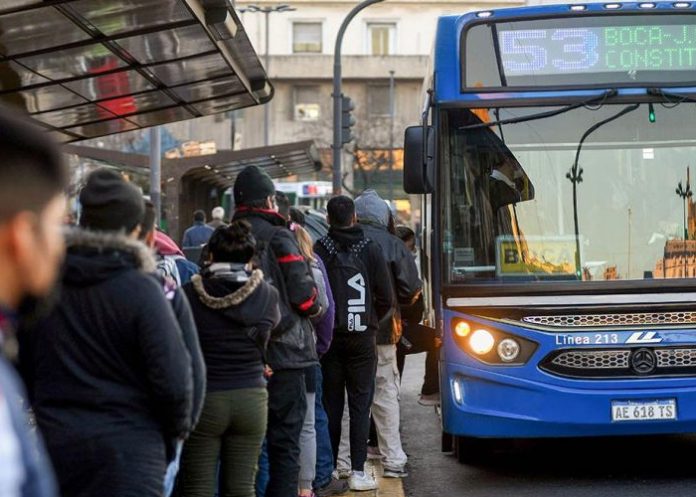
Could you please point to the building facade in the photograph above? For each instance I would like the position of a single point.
(395, 36)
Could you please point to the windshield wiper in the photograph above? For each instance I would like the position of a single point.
(575, 176)
(542, 115)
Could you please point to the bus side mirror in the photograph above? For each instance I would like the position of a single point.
(419, 167)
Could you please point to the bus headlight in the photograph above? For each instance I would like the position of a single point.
(491, 345)
(508, 349)
(481, 342)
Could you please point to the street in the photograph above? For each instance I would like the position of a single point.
(637, 466)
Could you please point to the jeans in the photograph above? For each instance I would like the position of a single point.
(325, 465)
(287, 404)
(262, 473)
(349, 365)
(231, 429)
(173, 470)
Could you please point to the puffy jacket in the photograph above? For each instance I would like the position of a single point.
(292, 343)
(235, 313)
(373, 216)
(109, 374)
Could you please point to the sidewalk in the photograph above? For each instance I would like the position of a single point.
(388, 487)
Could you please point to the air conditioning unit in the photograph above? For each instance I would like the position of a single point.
(307, 112)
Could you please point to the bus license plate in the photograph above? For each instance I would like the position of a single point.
(630, 410)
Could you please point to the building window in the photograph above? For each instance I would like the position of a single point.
(306, 37)
(378, 100)
(306, 103)
(381, 38)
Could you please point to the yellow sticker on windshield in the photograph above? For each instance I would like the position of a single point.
(536, 256)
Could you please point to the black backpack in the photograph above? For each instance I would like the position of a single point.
(350, 285)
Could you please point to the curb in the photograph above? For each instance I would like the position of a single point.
(386, 487)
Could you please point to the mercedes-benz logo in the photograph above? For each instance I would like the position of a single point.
(643, 361)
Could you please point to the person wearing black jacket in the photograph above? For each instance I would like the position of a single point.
(374, 218)
(108, 371)
(291, 349)
(235, 311)
(363, 296)
(184, 316)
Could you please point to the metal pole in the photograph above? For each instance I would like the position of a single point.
(391, 135)
(156, 172)
(266, 111)
(337, 145)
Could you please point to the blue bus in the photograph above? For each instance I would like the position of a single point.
(558, 225)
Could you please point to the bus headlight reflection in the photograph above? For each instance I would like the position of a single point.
(481, 342)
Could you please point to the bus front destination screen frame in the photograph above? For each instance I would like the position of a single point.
(602, 49)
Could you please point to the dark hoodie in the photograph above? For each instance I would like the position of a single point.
(378, 283)
(234, 313)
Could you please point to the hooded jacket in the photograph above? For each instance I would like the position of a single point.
(380, 291)
(109, 373)
(373, 216)
(292, 343)
(234, 313)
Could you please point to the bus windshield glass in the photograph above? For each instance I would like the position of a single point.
(599, 50)
(517, 210)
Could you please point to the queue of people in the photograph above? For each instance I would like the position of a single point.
(148, 375)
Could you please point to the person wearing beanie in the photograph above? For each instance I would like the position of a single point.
(291, 349)
(108, 371)
(375, 217)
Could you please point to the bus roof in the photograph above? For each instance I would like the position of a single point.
(450, 87)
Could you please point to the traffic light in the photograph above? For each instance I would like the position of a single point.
(347, 120)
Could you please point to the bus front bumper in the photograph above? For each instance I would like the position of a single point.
(484, 404)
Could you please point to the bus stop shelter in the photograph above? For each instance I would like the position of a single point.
(199, 182)
(88, 68)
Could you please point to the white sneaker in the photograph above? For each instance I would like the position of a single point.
(360, 481)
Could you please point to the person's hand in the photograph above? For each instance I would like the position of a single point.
(267, 372)
(438, 342)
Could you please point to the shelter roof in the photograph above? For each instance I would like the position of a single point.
(88, 68)
(221, 168)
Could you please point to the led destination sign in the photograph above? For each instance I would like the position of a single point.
(605, 49)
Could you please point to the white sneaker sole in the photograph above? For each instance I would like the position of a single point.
(363, 487)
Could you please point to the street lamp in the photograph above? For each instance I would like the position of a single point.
(684, 194)
(266, 10)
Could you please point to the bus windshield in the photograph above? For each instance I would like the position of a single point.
(516, 210)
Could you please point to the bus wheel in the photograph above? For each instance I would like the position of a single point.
(470, 450)
(447, 442)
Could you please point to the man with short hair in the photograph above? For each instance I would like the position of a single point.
(109, 373)
(199, 233)
(374, 217)
(291, 350)
(33, 178)
(363, 297)
(218, 215)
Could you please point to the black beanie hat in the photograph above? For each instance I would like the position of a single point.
(252, 184)
(110, 203)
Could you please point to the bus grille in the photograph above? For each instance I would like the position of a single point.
(602, 320)
(601, 359)
(613, 363)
